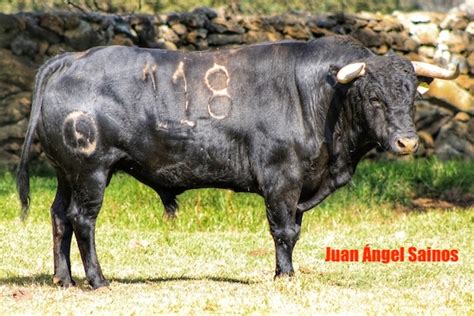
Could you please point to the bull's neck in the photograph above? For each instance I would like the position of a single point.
(342, 144)
(347, 132)
(329, 110)
(339, 126)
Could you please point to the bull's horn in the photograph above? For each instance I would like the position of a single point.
(350, 72)
(432, 71)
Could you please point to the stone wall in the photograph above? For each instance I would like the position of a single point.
(444, 117)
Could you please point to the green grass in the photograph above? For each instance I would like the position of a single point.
(217, 256)
(375, 188)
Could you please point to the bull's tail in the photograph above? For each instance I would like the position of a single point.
(23, 178)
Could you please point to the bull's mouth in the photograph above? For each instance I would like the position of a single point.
(381, 148)
(405, 153)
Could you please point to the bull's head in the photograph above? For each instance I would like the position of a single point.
(387, 88)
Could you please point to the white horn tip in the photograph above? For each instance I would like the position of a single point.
(454, 68)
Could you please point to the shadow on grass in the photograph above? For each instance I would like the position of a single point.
(425, 203)
(46, 279)
(38, 279)
(181, 278)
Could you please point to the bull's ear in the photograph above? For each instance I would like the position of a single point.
(332, 74)
(333, 70)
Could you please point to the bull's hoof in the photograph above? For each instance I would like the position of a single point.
(284, 275)
(97, 284)
(65, 282)
(169, 216)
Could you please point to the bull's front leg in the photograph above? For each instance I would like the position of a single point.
(285, 226)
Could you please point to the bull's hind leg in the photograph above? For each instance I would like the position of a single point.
(87, 196)
(62, 234)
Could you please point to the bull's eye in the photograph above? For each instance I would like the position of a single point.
(375, 102)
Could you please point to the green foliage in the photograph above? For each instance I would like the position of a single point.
(376, 187)
(161, 6)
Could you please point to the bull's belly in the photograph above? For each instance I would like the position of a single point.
(158, 160)
(184, 176)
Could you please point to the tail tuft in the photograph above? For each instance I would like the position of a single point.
(23, 187)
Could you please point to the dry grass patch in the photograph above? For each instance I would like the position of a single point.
(192, 273)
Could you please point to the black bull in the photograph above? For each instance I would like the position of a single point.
(272, 119)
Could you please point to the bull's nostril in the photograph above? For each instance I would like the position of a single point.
(407, 145)
(400, 144)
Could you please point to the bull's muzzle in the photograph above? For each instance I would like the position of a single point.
(406, 145)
